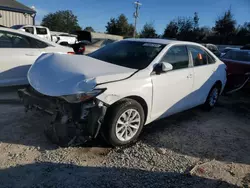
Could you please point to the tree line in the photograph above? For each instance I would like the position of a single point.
(224, 31)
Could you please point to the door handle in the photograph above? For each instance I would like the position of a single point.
(190, 76)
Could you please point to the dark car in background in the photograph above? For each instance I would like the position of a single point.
(227, 49)
(238, 69)
(213, 49)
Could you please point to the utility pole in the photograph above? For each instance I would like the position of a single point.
(136, 15)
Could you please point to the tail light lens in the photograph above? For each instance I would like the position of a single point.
(81, 50)
(72, 53)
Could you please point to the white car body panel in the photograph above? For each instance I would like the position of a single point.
(60, 74)
(175, 85)
(68, 39)
(15, 62)
(164, 94)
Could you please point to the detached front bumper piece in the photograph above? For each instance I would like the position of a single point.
(71, 124)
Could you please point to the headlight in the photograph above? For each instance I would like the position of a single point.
(80, 97)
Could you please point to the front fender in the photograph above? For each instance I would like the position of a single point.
(131, 87)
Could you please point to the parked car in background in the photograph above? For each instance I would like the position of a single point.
(40, 31)
(96, 44)
(213, 49)
(63, 39)
(18, 51)
(122, 87)
(246, 47)
(225, 50)
(238, 69)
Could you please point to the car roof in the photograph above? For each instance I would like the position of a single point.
(239, 50)
(27, 25)
(162, 41)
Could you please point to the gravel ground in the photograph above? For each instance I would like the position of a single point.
(191, 149)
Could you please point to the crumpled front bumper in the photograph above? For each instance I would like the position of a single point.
(71, 124)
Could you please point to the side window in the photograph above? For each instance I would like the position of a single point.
(5, 40)
(210, 59)
(37, 44)
(177, 56)
(13, 40)
(41, 31)
(29, 30)
(199, 55)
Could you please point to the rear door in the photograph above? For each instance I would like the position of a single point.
(205, 68)
(17, 53)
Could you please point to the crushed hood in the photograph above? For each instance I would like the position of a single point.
(60, 74)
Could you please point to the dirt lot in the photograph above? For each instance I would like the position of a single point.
(191, 149)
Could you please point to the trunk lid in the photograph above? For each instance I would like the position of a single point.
(60, 74)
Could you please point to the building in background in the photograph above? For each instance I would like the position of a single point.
(14, 13)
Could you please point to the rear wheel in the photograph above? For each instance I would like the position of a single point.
(123, 123)
(212, 97)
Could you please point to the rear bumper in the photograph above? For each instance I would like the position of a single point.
(78, 122)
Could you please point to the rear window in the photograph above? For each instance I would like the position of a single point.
(238, 55)
(41, 31)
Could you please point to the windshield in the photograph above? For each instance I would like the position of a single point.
(131, 54)
(238, 55)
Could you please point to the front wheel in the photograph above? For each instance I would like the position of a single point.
(124, 123)
(212, 97)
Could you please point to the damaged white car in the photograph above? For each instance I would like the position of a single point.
(119, 88)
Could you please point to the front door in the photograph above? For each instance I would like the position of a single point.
(172, 90)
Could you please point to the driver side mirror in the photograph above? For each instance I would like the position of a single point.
(166, 67)
(163, 67)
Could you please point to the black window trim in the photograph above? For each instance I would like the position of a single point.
(189, 58)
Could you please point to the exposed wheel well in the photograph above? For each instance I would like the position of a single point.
(219, 83)
(141, 101)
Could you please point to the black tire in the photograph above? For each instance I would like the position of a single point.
(208, 105)
(112, 116)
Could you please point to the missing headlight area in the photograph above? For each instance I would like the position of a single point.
(72, 124)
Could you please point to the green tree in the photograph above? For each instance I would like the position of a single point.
(171, 30)
(89, 29)
(185, 29)
(225, 27)
(63, 21)
(120, 26)
(148, 31)
(243, 34)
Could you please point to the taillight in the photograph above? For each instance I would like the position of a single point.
(81, 50)
(72, 53)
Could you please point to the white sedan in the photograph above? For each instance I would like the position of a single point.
(18, 50)
(119, 88)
